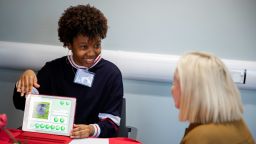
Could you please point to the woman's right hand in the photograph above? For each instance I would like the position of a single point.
(26, 82)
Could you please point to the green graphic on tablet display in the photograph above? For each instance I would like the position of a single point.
(49, 114)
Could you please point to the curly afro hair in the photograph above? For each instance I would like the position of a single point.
(81, 20)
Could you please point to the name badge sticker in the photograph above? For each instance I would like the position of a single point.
(84, 77)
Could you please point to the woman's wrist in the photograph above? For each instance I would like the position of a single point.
(96, 130)
(92, 130)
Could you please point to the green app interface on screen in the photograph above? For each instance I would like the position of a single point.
(49, 115)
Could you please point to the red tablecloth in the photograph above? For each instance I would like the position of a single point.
(39, 138)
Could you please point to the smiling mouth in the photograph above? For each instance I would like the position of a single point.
(89, 60)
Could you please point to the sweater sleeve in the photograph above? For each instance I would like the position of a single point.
(111, 112)
(18, 100)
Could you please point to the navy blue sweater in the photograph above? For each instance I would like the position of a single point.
(105, 95)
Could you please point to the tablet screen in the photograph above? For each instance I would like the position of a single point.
(49, 114)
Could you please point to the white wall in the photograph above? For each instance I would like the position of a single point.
(226, 28)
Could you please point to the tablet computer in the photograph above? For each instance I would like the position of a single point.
(49, 114)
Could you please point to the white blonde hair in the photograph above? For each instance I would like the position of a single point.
(208, 93)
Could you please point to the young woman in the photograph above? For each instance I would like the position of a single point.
(95, 82)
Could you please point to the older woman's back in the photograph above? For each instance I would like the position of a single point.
(224, 133)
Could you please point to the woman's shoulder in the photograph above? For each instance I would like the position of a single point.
(108, 66)
(222, 132)
(58, 60)
(210, 129)
(108, 63)
(55, 64)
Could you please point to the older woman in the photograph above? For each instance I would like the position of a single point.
(209, 100)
